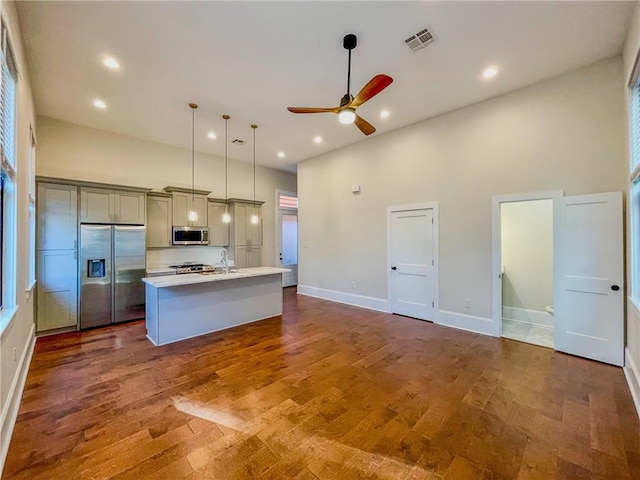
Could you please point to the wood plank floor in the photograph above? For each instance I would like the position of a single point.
(327, 391)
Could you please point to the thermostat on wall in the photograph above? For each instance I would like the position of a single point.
(355, 188)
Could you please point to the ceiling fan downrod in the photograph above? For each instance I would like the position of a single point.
(349, 42)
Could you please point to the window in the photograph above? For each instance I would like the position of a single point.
(7, 173)
(287, 201)
(31, 278)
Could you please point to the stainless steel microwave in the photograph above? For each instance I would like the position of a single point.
(190, 236)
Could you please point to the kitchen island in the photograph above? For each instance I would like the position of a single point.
(185, 306)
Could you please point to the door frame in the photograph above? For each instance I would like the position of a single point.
(278, 240)
(436, 221)
(496, 247)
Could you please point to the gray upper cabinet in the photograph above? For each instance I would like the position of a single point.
(158, 220)
(57, 216)
(245, 232)
(129, 208)
(182, 205)
(99, 205)
(218, 230)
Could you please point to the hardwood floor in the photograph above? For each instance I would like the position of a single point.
(326, 391)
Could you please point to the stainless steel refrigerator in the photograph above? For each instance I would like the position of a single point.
(112, 267)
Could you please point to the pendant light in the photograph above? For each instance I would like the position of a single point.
(254, 218)
(192, 216)
(226, 216)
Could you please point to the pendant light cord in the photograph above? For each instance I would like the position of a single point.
(193, 162)
(254, 167)
(226, 118)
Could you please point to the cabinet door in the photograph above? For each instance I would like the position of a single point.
(96, 205)
(218, 230)
(200, 204)
(254, 230)
(158, 221)
(129, 208)
(254, 257)
(180, 204)
(241, 257)
(240, 220)
(57, 289)
(57, 217)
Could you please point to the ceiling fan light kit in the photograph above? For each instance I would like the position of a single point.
(347, 116)
(348, 104)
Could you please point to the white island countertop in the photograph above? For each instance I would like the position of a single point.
(193, 278)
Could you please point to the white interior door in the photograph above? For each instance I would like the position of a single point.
(589, 276)
(288, 254)
(412, 283)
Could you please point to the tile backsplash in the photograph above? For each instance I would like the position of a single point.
(162, 257)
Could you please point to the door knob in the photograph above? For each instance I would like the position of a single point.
(615, 288)
(393, 268)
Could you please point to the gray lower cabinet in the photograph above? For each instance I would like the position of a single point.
(57, 289)
(247, 257)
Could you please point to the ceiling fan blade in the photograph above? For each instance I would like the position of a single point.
(364, 126)
(371, 89)
(313, 110)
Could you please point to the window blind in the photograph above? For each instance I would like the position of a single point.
(7, 107)
(287, 201)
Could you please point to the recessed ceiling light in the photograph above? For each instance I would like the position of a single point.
(280, 154)
(385, 114)
(318, 139)
(99, 104)
(490, 72)
(111, 63)
(212, 135)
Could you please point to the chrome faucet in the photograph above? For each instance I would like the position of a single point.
(224, 259)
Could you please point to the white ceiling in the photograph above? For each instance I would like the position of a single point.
(253, 59)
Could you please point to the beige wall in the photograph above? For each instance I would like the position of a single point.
(527, 254)
(566, 133)
(16, 337)
(71, 151)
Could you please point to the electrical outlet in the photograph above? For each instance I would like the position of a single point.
(467, 303)
(353, 285)
(15, 354)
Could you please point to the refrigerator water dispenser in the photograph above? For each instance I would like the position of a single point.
(96, 268)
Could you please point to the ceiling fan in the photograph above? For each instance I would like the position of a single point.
(348, 104)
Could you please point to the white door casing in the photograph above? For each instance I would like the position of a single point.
(496, 248)
(412, 260)
(589, 276)
(288, 240)
(286, 245)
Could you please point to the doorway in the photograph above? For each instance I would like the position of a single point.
(523, 267)
(287, 236)
(526, 248)
(412, 281)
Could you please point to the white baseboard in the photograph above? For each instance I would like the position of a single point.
(524, 315)
(470, 323)
(371, 303)
(12, 405)
(633, 378)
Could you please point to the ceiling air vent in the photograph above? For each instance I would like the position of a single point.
(237, 141)
(419, 40)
